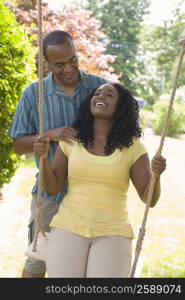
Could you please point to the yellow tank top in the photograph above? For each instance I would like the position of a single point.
(95, 204)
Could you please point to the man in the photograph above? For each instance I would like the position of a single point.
(65, 88)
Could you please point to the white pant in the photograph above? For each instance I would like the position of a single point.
(73, 256)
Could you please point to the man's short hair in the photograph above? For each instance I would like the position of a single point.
(56, 37)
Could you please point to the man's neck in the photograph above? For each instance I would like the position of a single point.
(65, 85)
(68, 88)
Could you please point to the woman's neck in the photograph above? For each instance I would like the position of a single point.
(101, 129)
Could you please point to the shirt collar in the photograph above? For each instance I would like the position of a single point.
(50, 86)
(84, 79)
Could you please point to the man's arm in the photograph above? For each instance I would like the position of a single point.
(24, 144)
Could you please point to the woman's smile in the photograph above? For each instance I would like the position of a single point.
(100, 104)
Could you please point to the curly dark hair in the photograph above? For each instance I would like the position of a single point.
(125, 123)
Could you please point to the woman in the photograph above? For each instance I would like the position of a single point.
(91, 235)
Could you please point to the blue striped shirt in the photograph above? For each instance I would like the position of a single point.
(59, 111)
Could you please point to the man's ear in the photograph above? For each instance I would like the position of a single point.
(46, 67)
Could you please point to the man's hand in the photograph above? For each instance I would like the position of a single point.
(65, 133)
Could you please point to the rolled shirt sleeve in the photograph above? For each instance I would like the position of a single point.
(23, 121)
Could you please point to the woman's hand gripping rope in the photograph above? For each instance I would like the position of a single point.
(41, 146)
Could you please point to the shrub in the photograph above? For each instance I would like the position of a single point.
(176, 121)
(180, 95)
(16, 69)
(147, 118)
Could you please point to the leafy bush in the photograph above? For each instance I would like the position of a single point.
(147, 118)
(16, 69)
(176, 121)
(180, 95)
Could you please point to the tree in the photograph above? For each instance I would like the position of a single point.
(90, 41)
(16, 61)
(162, 44)
(122, 23)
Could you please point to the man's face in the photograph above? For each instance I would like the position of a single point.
(63, 62)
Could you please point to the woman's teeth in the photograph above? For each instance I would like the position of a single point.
(99, 103)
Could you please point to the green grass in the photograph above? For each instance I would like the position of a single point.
(167, 268)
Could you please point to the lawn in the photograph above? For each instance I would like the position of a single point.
(162, 252)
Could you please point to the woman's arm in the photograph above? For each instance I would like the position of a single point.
(54, 174)
(141, 174)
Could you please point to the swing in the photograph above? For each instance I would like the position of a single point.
(37, 249)
(40, 235)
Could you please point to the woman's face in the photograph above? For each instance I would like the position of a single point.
(104, 101)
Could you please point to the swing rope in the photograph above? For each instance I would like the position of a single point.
(153, 178)
(41, 124)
